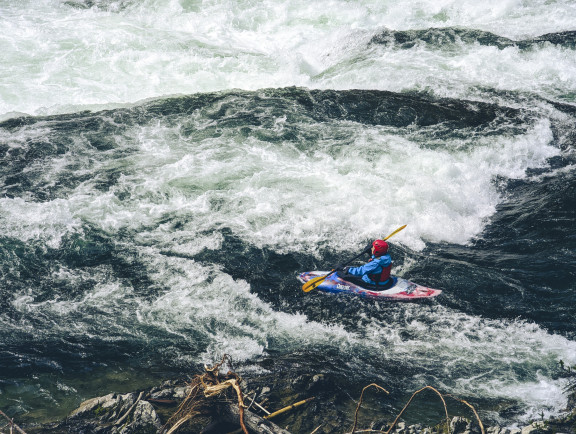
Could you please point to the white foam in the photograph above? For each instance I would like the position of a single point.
(495, 359)
(46, 222)
(207, 306)
(340, 193)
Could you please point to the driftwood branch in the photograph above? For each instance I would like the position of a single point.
(271, 415)
(180, 423)
(473, 409)
(253, 402)
(12, 424)
(360, 403)
(288, 408)
(216, 389)
(119, 421)
(253, 422)
(406, 406)
(410, 400)
(209, 384)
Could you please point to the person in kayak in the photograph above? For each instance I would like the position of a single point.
(375, 274)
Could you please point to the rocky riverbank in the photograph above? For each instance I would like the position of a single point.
(182, 407)
(148, 411)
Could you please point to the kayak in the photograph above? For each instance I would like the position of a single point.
(401, 290)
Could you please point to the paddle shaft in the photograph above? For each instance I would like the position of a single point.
(344, 264)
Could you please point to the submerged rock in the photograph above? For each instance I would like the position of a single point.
(112, 414)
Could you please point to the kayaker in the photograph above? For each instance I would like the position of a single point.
(375, 274)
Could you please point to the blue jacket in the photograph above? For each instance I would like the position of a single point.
(375, 266)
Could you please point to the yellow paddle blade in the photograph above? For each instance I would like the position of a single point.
(395, 232)
(313, 283)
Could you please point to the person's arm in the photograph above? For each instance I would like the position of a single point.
(368, 268)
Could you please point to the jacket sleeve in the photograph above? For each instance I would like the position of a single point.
(368, 268)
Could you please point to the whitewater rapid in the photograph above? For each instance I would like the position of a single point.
(65, 56)
(168, 167)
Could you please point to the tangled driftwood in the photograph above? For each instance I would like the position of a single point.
(212, 384)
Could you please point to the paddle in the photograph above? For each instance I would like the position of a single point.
(313, 283)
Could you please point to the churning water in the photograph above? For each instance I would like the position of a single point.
(169, 167)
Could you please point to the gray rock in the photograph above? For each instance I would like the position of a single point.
(122, 405)
(166, 393)
(536, 428)
(459, 425)
(144, 420)
(400, 428)
(105, 408)
(115, 414)
(317, 381)
(90, 405)
(180, 392)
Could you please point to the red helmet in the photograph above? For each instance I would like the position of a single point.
(380, 247)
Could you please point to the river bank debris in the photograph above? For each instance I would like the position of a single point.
(213, 402)
(212, 384)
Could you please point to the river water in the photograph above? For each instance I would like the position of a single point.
(168, 168)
